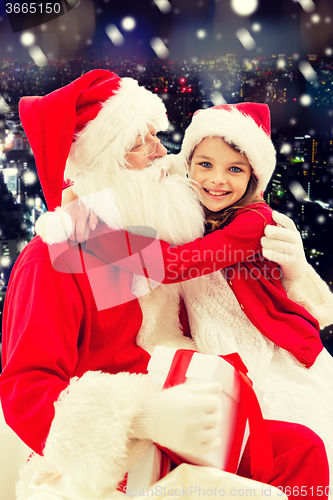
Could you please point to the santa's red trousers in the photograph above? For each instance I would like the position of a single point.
(300, 462)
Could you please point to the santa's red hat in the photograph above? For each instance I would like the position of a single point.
(245, 125)
(98, 107)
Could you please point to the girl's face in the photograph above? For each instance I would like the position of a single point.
(222, 173)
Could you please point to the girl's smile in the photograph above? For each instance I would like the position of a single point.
(222, 173)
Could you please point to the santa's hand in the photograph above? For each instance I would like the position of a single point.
(283, 244)
(185, 418)
(82, 220)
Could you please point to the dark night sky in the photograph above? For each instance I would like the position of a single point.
(285, 28)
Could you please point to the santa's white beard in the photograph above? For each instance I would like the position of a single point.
(138, 200)
(141, 199)
(149, 198)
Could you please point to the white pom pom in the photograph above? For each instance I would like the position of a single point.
(54, 227)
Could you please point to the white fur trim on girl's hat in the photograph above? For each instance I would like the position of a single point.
(245, 125)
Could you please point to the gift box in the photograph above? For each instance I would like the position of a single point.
(204, 368)
(240, 408)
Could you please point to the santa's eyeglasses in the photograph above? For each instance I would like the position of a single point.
(148, 150)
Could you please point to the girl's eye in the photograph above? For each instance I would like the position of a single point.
(235, 169)
(206, 164)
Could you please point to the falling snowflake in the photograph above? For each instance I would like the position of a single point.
(27, 39)
(307, 71)
(164, 6)
(38, 56)
(128, 23)
(315, 18)
(201, 34)
(298, 191)
(114, 34)
(217, 98)
(159, 47)
(256, 27)
(29, 177)
(305, 100)
(286, 148)
(307, 5)
(246, 39)
(177, 137)
(244, 7)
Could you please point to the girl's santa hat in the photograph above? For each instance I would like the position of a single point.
(245, 125)
(97, 117)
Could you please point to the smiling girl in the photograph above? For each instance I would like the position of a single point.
(244, 308)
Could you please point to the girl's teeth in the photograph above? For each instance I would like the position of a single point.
(217, 194)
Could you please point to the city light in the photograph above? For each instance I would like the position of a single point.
(9, 140)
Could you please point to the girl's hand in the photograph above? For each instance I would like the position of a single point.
(83, 221)
(283, 244)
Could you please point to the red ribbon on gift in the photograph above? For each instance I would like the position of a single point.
(261, 453)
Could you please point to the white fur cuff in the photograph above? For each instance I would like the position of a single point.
(88, 439)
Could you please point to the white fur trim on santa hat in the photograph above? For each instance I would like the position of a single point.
(101, 146)
(238, 129)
